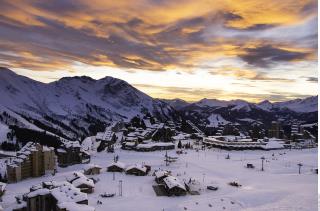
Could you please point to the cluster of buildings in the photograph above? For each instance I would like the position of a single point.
(33, 160)
(157, 136)
(136, 169)
(52, 195)
(71, 153)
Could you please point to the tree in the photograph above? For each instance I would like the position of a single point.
(179, 144)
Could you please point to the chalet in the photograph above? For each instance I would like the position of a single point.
(91, 169)
(174, 187)
(80, 181)
(160, 175)
(116, 167)
(137, 170)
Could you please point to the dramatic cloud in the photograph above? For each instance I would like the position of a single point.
(161, 36)
(266, 55)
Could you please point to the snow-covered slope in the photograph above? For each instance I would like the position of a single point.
(216, 120)
(309, 104)
(74, 98)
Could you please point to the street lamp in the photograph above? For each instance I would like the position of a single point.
(300, 165)
(262, 160)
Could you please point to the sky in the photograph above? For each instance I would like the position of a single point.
(223, 49)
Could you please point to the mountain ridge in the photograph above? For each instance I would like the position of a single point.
(80, 106)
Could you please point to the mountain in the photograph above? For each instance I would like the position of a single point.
(213, 113)
(176, 103)
(309, 104)
(75, 105)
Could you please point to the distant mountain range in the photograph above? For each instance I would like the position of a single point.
(306, 105)
(75, 107)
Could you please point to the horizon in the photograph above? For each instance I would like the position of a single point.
(252, 51)
(137, 87)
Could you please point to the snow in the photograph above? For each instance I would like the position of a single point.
(161, 173)
(75, 207)
(273, 145)
(4, 130)
(278, 187)
(137, 166)
(216, 120)
(150, 145)
(172, 182)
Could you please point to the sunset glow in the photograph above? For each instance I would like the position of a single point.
(251, 50)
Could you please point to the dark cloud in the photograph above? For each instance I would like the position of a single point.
(312, 79)
(60, 6)
(310, 8)
(231, 16)
(264, 56)
(257, 27)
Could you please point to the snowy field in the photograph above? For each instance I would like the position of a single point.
(278, 187)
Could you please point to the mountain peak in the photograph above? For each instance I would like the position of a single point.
(4, 70)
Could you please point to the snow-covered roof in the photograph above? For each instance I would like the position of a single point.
(78, 178)
(172, 182)
(90, 166)
(72, 144)
(161, 173)
(105, 136)
(271, 144)
(117, 164)
(150, 145)
(61, 150)
(38, 192)
(137, 166)
(83, 181)
(68, 193)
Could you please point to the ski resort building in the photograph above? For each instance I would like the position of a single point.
(71, 153)
(276, 130)
(173, 186)
(92, 169)
(33, 160)
(160, 175)
(116, 167)
(234, 143)
(137, 170)
(80, 181)
(106, 139)
(154, 146)
(58, 196)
